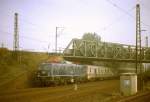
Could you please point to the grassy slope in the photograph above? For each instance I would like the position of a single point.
(18, 74)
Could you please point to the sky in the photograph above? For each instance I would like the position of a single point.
(113, 20)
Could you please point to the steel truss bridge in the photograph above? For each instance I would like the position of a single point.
(84, 50)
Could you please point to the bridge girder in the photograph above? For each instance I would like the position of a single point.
(84, 49)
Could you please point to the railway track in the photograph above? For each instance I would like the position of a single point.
(101, 91)
(87, 92)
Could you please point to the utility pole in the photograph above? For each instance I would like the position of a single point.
(146, 41)
(16, 36)
(56, 36)
(138, 47)
(146, 47)
(56, 41)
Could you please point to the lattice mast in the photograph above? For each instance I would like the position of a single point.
(16, 34)
(138, 48)
(138, 38)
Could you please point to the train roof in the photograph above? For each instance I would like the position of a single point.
(68, 64)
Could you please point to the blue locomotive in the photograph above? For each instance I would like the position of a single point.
(58, 73)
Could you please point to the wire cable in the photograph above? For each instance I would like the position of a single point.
(116, 20)
(25, 37)
(121, 9)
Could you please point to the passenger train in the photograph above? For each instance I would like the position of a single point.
(58, 73)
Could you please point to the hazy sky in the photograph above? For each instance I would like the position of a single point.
(113, 20)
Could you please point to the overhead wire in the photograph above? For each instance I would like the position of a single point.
(116, 20)
(32, 26)
(126, 12)
(123, 10)
(25, 37)
(28, 38)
